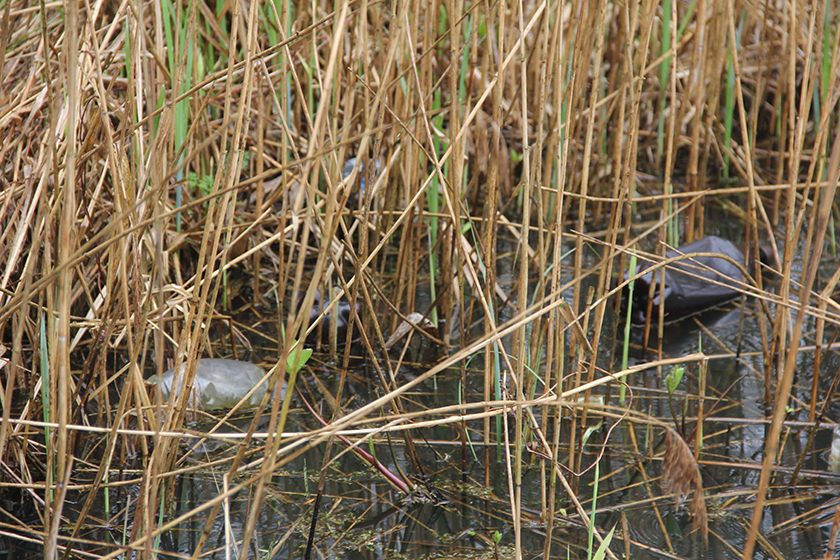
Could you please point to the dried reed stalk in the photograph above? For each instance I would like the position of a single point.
(117, 242)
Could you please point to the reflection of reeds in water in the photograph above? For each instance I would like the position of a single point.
(172, 188)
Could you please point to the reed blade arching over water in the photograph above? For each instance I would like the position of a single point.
(442, 200)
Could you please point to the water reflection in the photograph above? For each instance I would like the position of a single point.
(362, 517)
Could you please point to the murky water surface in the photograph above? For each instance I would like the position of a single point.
(362, 517)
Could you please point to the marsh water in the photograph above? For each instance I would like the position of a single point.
(362, 517)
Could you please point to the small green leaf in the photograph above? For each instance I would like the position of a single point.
(589, 431)
(602, 550)
(672, 380)
(672, 525)
(297, 358)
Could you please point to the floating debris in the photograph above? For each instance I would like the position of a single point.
(218, 383)
(691, 285)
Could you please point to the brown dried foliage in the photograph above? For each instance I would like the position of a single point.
(119, 220)
(681, 474)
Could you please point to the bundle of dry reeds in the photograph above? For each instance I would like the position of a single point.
(169, 169)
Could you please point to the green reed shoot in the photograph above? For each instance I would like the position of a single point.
(592, 529)
(664, 71)
(625, 350)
